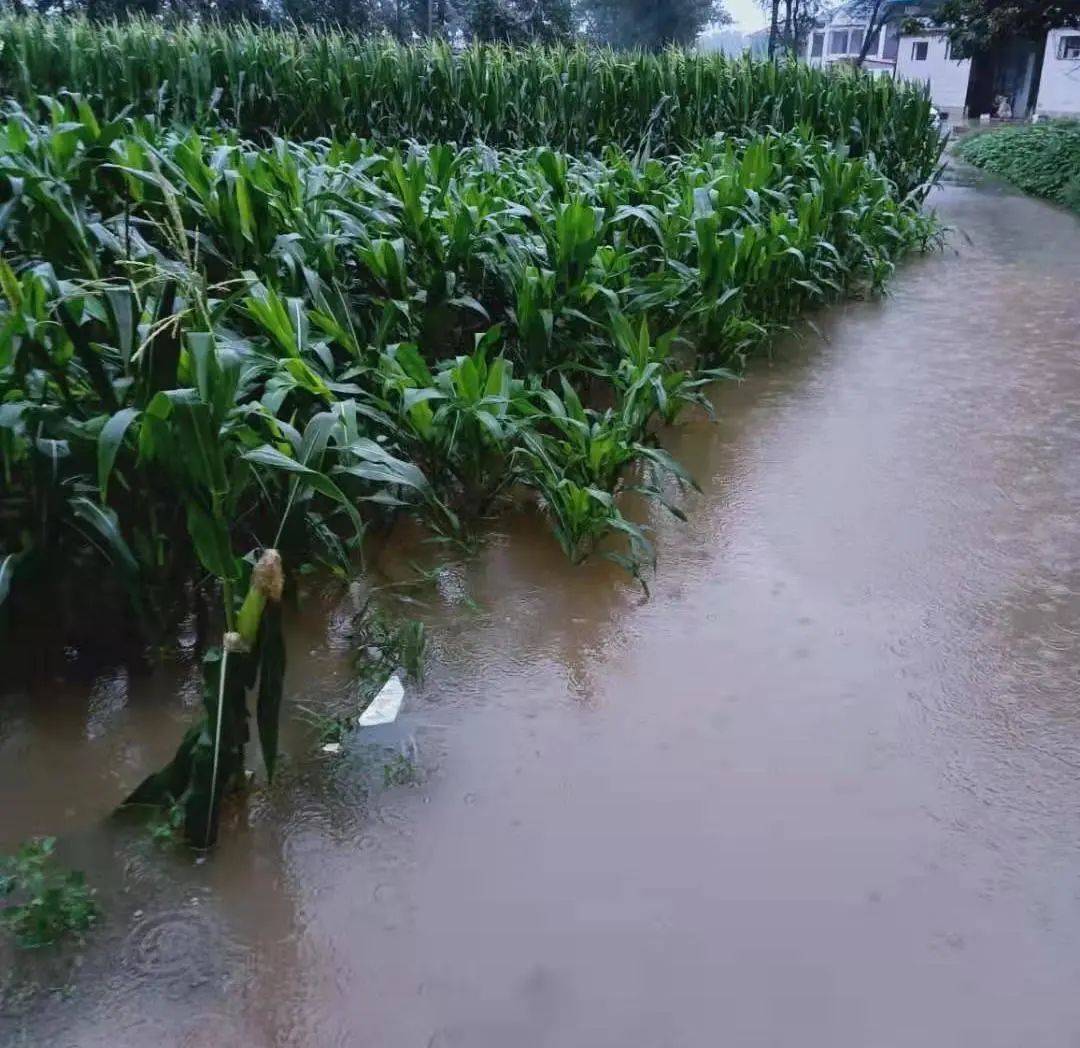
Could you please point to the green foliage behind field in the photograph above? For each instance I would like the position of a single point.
(1042, 159)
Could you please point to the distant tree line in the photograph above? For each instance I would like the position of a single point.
(650, 24)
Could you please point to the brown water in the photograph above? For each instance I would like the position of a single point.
(823, 789)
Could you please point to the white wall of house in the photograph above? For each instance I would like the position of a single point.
(1059, 89)
(926, 59)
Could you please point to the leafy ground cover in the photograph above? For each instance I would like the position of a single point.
(1042, 159)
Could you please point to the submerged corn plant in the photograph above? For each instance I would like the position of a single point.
(419, 309)
(210, 759)
(220, 357)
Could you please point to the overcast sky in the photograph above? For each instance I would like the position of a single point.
(747, 14)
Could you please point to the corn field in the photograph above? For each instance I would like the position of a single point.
(258, 305)
(304, 84)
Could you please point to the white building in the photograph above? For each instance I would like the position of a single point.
(840, 39)
(1059, 86)
(927, 59)
(1035, 78)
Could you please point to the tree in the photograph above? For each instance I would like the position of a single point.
(519, 21)
(791, 33)
(976, 25)
(548, 20)
(650, 24)
(878, 14)
(317, 12)
(404, 19)
(774, 26)
(438, 17)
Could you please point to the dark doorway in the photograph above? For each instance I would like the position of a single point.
(1010, 70)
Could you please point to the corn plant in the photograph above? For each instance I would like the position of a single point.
(301, 278)
(220, 356)
(303, 84)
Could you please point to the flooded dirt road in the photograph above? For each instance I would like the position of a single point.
(821, 790)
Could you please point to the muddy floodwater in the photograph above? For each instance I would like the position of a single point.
(821, 790)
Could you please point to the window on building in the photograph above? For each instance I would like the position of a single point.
(875, 39)
(1069, 47)
(854, 45)
(919, 50)
(817, 44)
(838, 42)
(892, 42)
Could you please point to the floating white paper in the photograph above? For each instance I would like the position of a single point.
(385, 706)
(332, 747)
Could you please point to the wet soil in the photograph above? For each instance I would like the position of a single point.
(822, 789)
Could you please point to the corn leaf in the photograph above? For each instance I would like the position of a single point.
(109, 440)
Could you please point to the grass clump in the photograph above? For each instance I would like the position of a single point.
(400, 770)
(1041, 159)
(45, 903)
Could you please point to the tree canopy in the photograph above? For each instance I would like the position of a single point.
(650, 23)
(878, 13)
(974, 25)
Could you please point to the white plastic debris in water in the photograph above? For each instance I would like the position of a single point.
(385, 706)
(332, 747)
